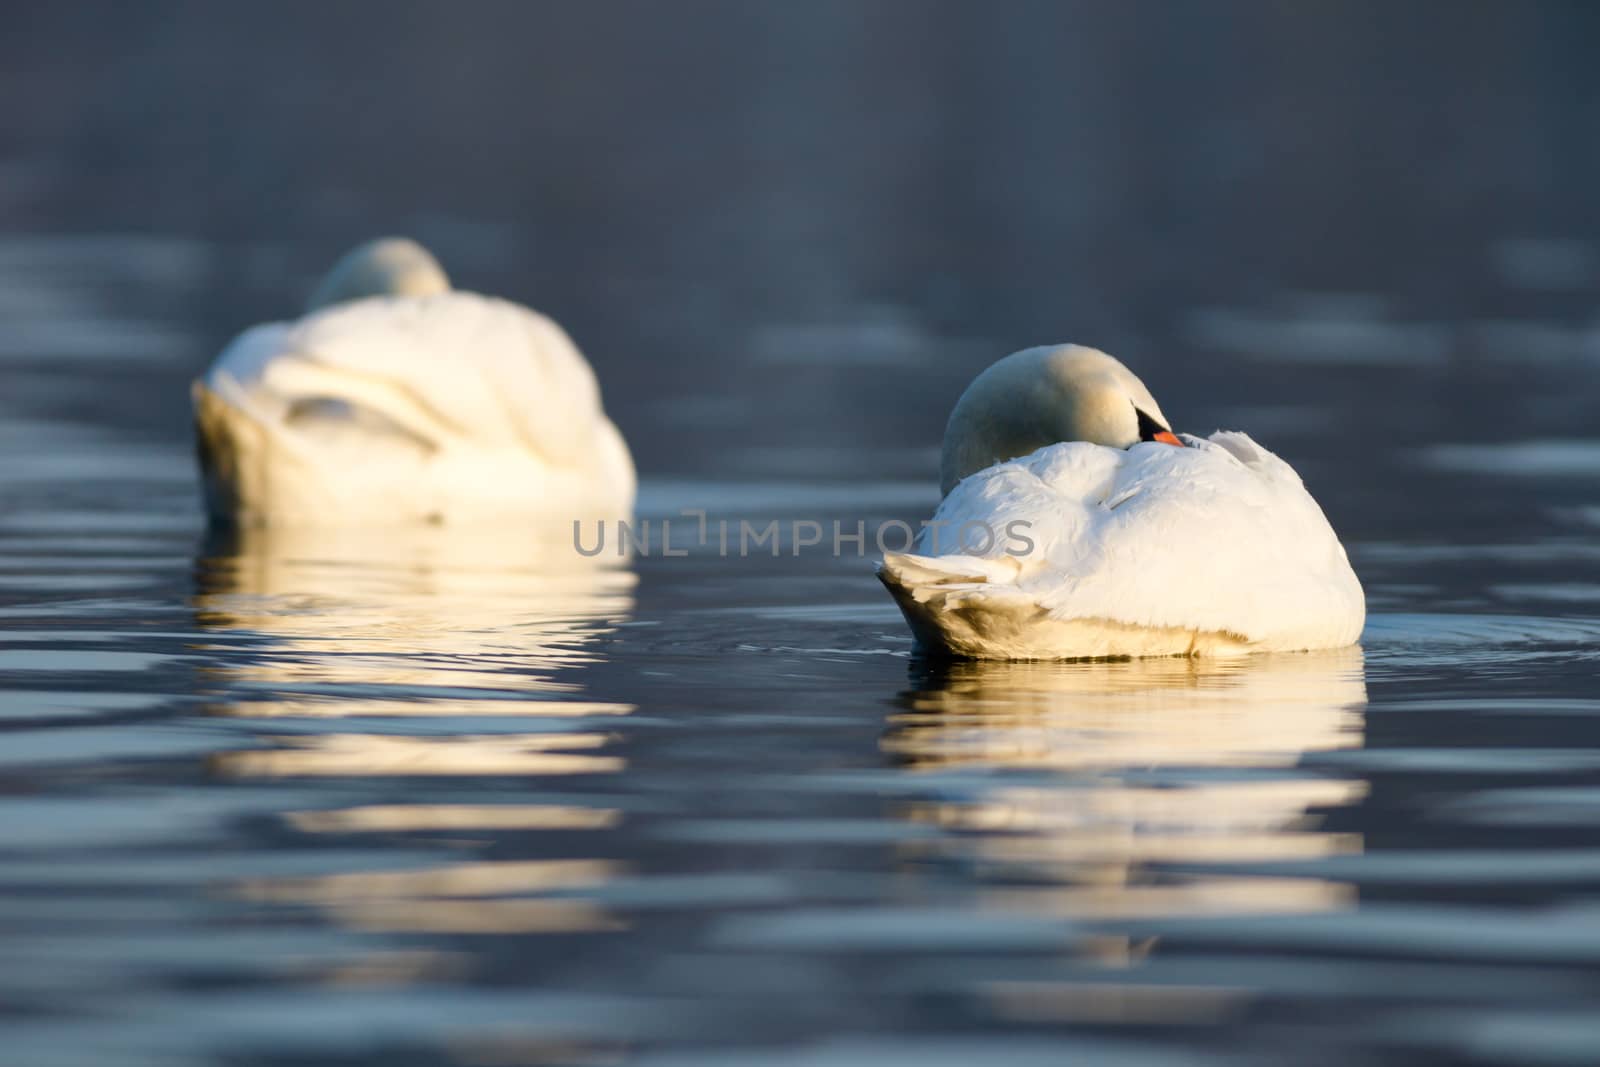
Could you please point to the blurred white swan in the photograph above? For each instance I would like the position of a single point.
(1071, 528)
(398, 400)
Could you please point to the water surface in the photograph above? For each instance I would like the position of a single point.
(448, 798)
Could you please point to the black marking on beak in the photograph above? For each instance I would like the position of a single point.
(1149, 427)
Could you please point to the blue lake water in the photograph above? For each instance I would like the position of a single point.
(450, 798)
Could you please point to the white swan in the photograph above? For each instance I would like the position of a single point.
(398, 400)
(1071, 528)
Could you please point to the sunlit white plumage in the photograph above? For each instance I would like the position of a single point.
(397, 400)
(1138, 548)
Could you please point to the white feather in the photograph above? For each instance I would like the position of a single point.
(445, 407)
(1213, 549)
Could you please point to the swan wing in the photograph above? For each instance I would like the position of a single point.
(1219, 541)
(410, 407)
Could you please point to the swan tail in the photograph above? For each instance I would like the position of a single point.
(972, 608)
(240, 457)
(958, 605)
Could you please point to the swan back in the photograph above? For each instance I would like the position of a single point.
(446, 407)
(1212, 549)
(1044, 396)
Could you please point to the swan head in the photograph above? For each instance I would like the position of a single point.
(389, 266)
(1044, 396)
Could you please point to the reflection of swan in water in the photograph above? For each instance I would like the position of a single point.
(1105, 778)
(444, 643)
(418, 619)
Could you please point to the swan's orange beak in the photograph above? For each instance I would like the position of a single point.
(1167, 439)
